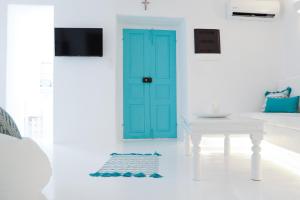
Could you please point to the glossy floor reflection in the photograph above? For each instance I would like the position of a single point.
(223, 179)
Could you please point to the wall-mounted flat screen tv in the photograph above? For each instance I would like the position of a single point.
(79, 42)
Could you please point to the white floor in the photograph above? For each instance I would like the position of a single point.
(223, 179)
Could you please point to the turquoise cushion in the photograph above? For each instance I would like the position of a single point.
(282, 105)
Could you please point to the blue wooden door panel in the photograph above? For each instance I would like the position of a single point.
(136, 95)
(163, 88)
(149, 109)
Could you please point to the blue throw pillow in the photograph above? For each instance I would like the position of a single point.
(277, 94)
(282, 105)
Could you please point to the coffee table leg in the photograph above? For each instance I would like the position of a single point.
(227, 145)
(256, 157)
(196, 139)
(187, 144)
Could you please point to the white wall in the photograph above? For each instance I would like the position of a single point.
(290, 40)
(247, 66)
(84, 89)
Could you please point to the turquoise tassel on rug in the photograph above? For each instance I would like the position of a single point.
(128, 174)
(116, 174)
(97, 174)
(155, 175)
(157, 154)
(139, 175)
(106, 175)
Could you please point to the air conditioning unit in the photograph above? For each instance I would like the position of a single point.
(256, 9)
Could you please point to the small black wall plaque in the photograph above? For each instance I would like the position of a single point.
(207, 41)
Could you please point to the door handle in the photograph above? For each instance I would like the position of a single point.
(147, 79)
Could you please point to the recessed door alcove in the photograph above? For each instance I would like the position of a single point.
(153, 23)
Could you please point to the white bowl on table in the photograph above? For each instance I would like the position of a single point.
(212, 115)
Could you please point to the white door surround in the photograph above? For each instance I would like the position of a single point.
(142, 22)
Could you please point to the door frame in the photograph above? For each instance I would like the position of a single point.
(176, 24)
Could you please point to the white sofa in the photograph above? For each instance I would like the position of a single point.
(283, 129)
(24, 169)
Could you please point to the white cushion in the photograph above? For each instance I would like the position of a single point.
(25, 168)
(285, 120)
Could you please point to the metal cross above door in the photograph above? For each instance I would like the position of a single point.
(146, 3)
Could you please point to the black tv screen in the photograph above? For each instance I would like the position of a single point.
(79, 42)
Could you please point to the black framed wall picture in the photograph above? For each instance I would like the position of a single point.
(207, 41)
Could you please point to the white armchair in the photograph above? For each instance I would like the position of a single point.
(24, 169)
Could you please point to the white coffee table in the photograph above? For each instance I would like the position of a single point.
(225, 126)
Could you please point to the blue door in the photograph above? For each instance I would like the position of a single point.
(149, 59)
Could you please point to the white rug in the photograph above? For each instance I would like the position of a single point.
(130, 165)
